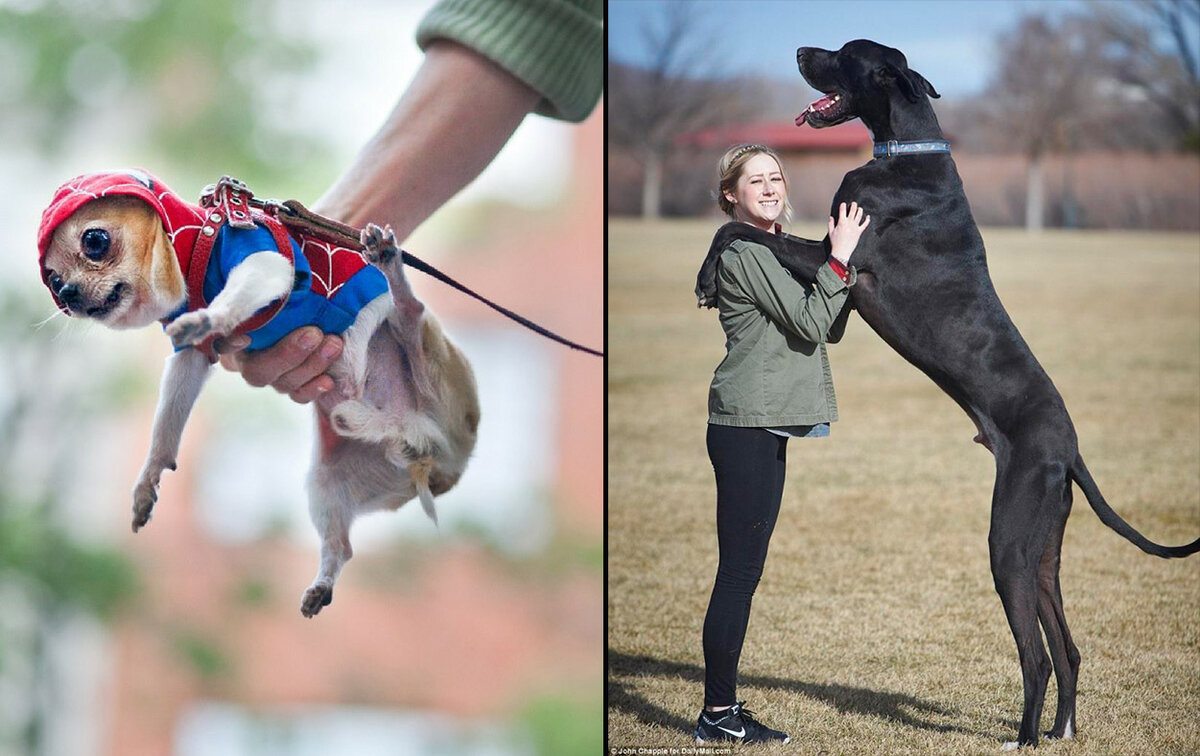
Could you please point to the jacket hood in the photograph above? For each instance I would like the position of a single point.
(182, 220)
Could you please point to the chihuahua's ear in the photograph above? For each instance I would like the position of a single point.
(165, 274)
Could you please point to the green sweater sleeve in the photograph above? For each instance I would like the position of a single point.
(808, 313)
(554, 46)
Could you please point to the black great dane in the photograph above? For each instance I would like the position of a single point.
(923, 286)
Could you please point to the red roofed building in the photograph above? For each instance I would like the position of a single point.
(786, 138)
(814, 160)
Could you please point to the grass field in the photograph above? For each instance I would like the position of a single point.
(876, 629)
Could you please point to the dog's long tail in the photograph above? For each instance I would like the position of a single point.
(1113, 520)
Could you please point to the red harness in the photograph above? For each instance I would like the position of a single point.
(227, 202)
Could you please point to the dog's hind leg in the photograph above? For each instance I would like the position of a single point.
(407, 319)
(331, 514)
(1017, 539)
(1050, 610)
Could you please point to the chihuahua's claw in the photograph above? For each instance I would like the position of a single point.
(190, 328)
(379, 244)
(318, 596)
(144, 497)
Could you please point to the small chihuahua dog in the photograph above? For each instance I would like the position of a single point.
(122, 249)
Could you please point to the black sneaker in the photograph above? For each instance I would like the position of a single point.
(734, 724)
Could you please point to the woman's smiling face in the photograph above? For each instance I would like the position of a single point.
(761, 192)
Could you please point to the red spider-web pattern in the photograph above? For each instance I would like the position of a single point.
(332, 266)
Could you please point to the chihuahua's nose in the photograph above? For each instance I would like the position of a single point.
(71, 296)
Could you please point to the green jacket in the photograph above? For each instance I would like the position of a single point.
(554, 46)
(775, 371)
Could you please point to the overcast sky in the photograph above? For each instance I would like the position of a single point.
(951, 42)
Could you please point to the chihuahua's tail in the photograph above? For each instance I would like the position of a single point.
(419, 472)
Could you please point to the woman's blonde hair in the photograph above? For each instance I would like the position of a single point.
(729, 170)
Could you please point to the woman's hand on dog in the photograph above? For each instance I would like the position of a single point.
(843, 237)
(296, 366)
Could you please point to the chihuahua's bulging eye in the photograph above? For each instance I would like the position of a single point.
(95, 243)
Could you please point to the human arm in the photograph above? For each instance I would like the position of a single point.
(487, 64)
(800, 257)
(459, 104)
(474, 87)
(809, 312)
(751, 273)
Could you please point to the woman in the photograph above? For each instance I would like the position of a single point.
(774, 384)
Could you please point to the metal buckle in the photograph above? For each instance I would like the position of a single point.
(893, 147)
(231, 197)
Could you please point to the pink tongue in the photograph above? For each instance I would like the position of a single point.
(817, 105)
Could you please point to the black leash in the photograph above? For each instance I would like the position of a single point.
(426, 268)
(295, 215)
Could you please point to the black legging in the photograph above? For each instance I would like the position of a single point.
(749, 464)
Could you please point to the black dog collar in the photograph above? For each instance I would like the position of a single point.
(892, 147)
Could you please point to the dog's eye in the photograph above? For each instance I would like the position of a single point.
(95, 243)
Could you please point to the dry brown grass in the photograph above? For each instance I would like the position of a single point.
(876, 629)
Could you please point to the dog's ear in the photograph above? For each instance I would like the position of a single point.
(921, 84)
(913, 85)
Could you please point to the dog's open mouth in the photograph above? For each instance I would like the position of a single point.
(826, 111)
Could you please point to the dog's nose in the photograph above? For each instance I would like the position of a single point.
(802, 55)
(71, 296)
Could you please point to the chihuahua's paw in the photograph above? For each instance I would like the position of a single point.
(354, 419)
(317, 597)
(145, 494)
(379, 244)
(190, 328)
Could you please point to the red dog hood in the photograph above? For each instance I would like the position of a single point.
(181, 219)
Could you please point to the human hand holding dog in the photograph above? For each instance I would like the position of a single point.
(844, 235)
(296, 366)
(455, 85)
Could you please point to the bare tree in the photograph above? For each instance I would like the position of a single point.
(681, 90)
(1046, 89)
(1153, 46)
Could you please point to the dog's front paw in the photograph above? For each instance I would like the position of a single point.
(145, 494)
(317, 597)
(379, 244)
(190, 328)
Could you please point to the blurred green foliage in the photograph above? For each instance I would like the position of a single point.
(37, 555)
(203, 655)
(60, 571)
(564, 725)
(192, 79)
(252, 591)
